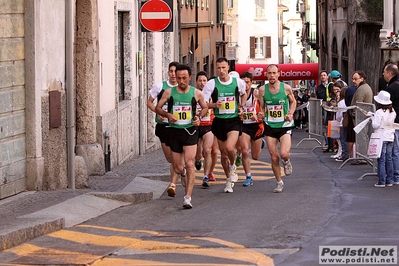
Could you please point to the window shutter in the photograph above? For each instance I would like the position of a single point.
(251, 47)
(268, 46)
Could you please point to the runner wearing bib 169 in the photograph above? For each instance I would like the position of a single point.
(278, 102)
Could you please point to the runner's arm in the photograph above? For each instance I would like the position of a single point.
(292, 102)
(161, 102)
(262, 106)
(155, 90)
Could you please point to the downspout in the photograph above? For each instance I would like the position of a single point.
(393, 16)
(69, 38)
(196, 27)
(179, 29)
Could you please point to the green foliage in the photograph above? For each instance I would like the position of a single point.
(374, 9)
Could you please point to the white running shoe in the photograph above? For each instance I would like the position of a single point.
(279, 188)
(287, 167)
(229, 186)
(187, 202)
(233, 175)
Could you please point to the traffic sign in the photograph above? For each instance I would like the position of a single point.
(155, 15)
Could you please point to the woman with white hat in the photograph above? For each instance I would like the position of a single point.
(385, 115)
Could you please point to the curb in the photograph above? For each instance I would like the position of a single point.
(17, 236)
(24, 228)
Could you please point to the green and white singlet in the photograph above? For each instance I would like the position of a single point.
(228, 94)
(182, 107)
(277, 107)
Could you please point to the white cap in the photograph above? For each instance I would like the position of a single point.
(383, 98)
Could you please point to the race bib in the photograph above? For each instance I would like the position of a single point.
(249, 112)
(207, 117)
(182, 114)
(228, 105)
(275, 113)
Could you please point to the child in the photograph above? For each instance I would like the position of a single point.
(384, 115)
(335, 99)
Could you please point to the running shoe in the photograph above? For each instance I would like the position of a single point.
(279, 188)
(205, 181)
(233, 175)
(379, 185)
(198, 164)
(171, 190)
(187, 202)
(229, 187)
(211, 177)
(238, 161)
(248, 182)
(287, 167)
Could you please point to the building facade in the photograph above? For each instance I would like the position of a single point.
(74, 82)
(253, 31)
(348, 38)
(202, 34)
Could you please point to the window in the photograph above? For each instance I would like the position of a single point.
(260, 8)
(121, 61)
(229, 38)
(230, 3)
(260, 47)
(205, 65)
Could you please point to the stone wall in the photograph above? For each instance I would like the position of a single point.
(12, 98)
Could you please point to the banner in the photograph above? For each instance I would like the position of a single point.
(305, 71)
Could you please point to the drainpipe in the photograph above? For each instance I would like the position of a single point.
(393, 16)
(69, 38)
(179, 29)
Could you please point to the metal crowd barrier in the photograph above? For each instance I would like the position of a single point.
(363, 137)
(315, 123)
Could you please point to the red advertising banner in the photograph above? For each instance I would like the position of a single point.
(305, 71)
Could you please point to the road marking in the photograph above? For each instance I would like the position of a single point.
(260, 171)
(98, 248)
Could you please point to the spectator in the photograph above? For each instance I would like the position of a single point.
(363, 94)
(384, 115)
(391, 76)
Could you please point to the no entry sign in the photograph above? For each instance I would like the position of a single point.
(156, 15)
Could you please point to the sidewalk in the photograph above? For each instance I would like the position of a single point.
(34, 213)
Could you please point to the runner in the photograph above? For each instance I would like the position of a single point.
(162, 126)
(182, 102)
(252, 129)
(228, 96)
(206, 138)
(277, 99)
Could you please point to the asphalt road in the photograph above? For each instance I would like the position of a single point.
(320, 206)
